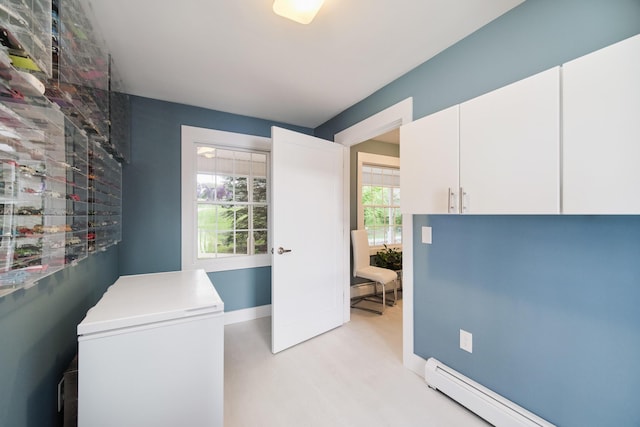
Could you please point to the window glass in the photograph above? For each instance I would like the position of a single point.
(232, 202)
(381, 204)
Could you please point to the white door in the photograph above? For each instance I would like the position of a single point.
(307, 236)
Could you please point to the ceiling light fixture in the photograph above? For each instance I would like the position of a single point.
(302, 11)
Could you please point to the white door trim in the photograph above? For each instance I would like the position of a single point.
(382, 122)
(386, 120)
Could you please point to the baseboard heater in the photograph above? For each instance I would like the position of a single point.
(485, 403)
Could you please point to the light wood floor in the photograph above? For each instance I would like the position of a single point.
(351, 376)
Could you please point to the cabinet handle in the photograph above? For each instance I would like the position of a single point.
(464, 199)
(452, 201)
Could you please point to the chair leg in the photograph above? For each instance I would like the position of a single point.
(375, 297)
(395, 291)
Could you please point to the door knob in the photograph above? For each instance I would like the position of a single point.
(282, 250)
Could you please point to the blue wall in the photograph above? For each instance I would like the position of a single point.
(552, 303)
(551, 300)
(38, 337)
(533, 37)
(152, 195)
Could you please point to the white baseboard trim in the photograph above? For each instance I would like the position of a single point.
(415, 363)
(247, 314)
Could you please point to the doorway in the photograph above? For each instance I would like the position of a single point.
(385, 121)
(375, 202)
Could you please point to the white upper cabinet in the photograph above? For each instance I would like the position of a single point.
(601, 131)
(510, 148)
(429, 164)
(495, 154)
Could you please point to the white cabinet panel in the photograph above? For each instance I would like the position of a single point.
(510, 148)
(501, 150)
(429, 163)
(601, 131)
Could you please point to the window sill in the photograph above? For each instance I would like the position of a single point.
(375, 249)
(232, 263)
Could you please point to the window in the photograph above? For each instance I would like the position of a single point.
(379, 199)
(225, 200)
(232, 202)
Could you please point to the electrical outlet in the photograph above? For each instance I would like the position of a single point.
(466, 341)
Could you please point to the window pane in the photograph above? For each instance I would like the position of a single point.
(242, 163)
(260, 217)
(367, 195)
(206, 243)
(241, 190)
(225, 243)
(224, 162)
(260, 238)
(225, 218)
(224, 188)
(366, 175)
(397, 217)
(371, 234)
(386, 196)
(369, 217)
(242, 243)
(376, 176)
(205, 184)
(260, 190)
(205, 192)
(377, 198)
(388, 179)
(206, 152)
(380, 216)
(242, 218)
(396, 197)
(259, 165)
(206, 230)
(379, 239)
(207, 216)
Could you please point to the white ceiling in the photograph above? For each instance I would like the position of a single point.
(238, 56)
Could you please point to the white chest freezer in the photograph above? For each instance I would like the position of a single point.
(151, 354)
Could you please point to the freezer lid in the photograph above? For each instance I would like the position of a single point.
(149, 298)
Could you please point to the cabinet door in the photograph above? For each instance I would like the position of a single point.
(601, 131)
(510, 148)
(429, 164)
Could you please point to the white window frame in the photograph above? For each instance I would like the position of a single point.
(190, 137)
(374, 160)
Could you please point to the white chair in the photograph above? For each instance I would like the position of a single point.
(363, 268)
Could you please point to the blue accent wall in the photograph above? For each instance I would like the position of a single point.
(152, 195)
(535, 36)
(38, 337)
(250, 287)
(552, 301)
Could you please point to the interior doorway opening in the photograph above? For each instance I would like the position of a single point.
(385, 121)
(375, 207)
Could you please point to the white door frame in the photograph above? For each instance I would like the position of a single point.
(383, 122)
